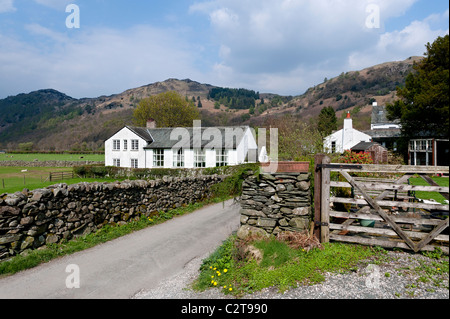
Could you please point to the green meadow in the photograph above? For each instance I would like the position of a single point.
(12, 179)
(30, 157)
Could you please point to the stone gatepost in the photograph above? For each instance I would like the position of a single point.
(276, 201)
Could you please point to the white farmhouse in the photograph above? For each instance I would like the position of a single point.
(345, 139)
(193, 147)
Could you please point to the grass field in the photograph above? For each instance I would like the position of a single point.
(12, 179)
(52, 157)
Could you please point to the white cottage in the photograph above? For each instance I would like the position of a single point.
(345, 139)
(193, 147)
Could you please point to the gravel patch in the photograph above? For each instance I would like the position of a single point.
(397, 278)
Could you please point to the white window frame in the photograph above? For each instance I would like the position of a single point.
(134, 163)
(221, 158)
(199, 158)
(178, 158)
(125, 145)
(116, 162)
(158, 158)
(135, 145)
(116, 145)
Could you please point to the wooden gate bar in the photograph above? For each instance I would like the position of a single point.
(443, 225)
(386, 217)
(433, 183)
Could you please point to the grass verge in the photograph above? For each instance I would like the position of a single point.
(233, 270)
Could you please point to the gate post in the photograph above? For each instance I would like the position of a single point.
(318, 160)
(325, 203)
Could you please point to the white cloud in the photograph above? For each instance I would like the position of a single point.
(7, 6)
(100, 60)
(399, 45)
(301, 41)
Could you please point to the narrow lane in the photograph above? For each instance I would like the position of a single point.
(121, 268)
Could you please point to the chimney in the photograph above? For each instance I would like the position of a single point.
(347, 137)
(151, 123)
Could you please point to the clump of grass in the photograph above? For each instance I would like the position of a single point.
(284, 265)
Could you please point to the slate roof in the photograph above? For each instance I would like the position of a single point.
(214, 137)
(384, 133)
(379, 115)
(363, 146)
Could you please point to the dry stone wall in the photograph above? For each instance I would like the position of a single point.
(29, 220)
(272, 203)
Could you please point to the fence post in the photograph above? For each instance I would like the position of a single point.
(325, 203)
(317, 193)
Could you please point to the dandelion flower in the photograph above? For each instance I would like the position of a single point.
(215, 283)
(231, 289)
(225, 270)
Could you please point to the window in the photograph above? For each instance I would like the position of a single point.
(333, 147)
(135, 145)
(221, 158)
(134, 163)
(116, 145)
(178, 158)
(116, 162)
(421, 152)
(158, 158)
(199, 158)
(125, 145)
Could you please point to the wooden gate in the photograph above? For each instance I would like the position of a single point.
(376, 205)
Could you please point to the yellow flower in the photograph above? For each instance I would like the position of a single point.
(218, 274)
(225, 287)
(231, 289)
(225, 270)
(214, 268)
(212, 276)
(210, 267)
(215, 283)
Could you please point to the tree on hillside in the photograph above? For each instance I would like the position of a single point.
(424, 100)
(327, 121)
(168, 109)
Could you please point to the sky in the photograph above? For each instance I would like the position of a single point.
(89, 48)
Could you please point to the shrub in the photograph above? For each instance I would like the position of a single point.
(350, 157)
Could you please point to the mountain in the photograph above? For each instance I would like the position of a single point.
(350, 91)
(52, 120)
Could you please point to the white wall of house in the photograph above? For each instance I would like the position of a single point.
(116, 153)
(345, 139)
(119, 148)
(246, 144)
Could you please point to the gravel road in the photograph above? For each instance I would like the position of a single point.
(396, 279)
